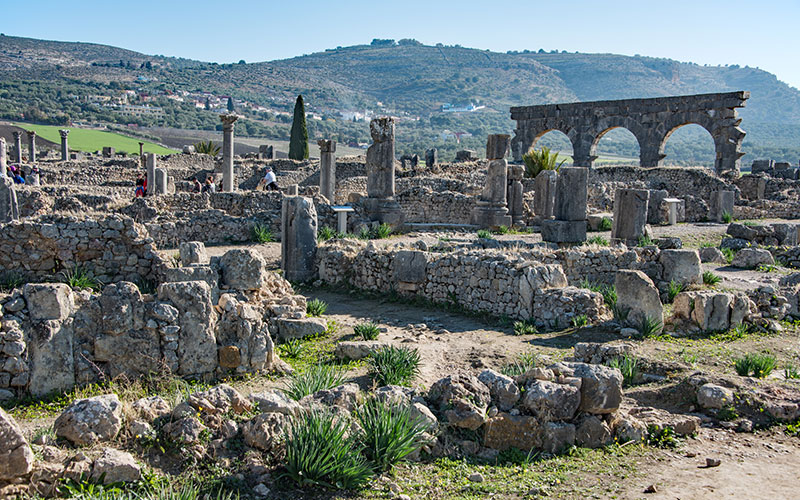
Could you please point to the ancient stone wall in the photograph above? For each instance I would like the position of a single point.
(422, 205)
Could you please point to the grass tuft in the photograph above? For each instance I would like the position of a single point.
(367, 331)
(605, 224)
(262, 234)
(597, 240)
(580, 321)
(674, 289)
(314, 378)
(755, 365)
(649, 327)
(519, 366)
(485, 234)
(710, 278)
(316, 307)
(79, 277)
(389, 433)
(390, 365)
(629, 366)
(524, 328)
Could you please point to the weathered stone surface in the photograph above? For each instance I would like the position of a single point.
(681, 266)
(637, 295)
(275, 401)
(50, 357)
(380, 159)
(122, 306)
(630, 214)
(421, 413)
(116, 466)
(265, 431)
(629, 429)
(592, 433)
(458, 386)
(298, 238)
(601, 386)
(48, 301)
(220, 399)
(503, 389)
(358, 349)
(711, 254)
(197, 345)
(343, 396)
(230, 357)
(545, 193)
(91, 420)
(716, 397)
(186, 430)
(571, 194)
(506, 431)
(558, 436)
(9, 206)
(563, 231)
(151, 408)
(721, 205)
(193, 252)
(409, 266)
(300, 328)
(16, 456)
(550, 401)
(711, 310)
(243, 269)
(750, 258)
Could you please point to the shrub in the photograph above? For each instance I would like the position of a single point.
(790, 372)
(663, 437)
(710, 278)
(609, 292)
(536, 161)
(316, 307)
(503, 230)
(389, 433)
(649, 327)
(367, 331)
(728, 253)
(519, 366)
(207, 148)
(628, 365)
(262, 234)
(580, 321)
(79, 277)
(674, 289)
(485, 234)
(312, 379)
(727, 217)
(645, 241)
(605, 224)
(292, 349)
(326, 233)
(524, 328)
(392, 365)
(321, 451)
(376, 233)
(755, 365)
(597, 240)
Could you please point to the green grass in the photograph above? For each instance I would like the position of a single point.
(95, 140)
(314, 378)
(755, 365)
(316, 307)
(710, 278)
(674, 289)
(790, 372)
(645, 241)
(524, 328)
(485, 234)
(80, 278)
(597, 240)
(580, 321)
(649, 327)
(367, 331)
(389, 433)
(392, 365)
(728, 253)
(262, 234)
(727, 217)
(628, 365)
(10, 280)
(609, 292)
(605, 224)
(520, 365)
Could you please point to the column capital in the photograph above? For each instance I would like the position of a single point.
(64, 133)
(17, 134)
(228, 119)
(31, 133)
(326, 145)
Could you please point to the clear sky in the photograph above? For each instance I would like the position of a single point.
(763, 34)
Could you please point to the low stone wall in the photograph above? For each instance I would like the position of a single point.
(423, 205)
(111, 248)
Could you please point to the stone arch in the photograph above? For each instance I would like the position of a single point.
(675, 128)
(606, 126)
(545, 132)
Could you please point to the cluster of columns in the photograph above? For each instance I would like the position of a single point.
(157, 178)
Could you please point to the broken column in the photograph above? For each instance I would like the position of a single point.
(18, 145)
(151, 173)
(161, 181)
(544, 198)
(298, 238)
(9, 210)
(266, 152)
(227, 150)
(514, 194)
(569, 225)
(630, 215)
(380, 204)
(327, 169)
(64, 146)
(31, 146)
(721, 205)
(3, 162)
(430, 157)
(491, 211)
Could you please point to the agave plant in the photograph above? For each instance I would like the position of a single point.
(207, 147)
(543, 159)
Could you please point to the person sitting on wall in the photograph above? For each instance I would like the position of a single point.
(269, 182)
(18, 177)
(210, 187)
(35, 176)
(140, 189)
(196, 186)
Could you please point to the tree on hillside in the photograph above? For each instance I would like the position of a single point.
(298, 142)
(230, 104)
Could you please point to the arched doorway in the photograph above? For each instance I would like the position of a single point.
(689, 145)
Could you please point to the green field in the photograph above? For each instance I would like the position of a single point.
(95, 140)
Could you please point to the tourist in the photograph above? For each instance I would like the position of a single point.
(210, 187)
(34, 180)
(196, 186)
(18, 177)
(269, 182)
(140, 186)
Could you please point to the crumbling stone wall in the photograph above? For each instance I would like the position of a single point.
(423, 205)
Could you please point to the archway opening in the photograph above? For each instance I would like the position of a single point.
(616, 146)
(557, 142)
(689, 145)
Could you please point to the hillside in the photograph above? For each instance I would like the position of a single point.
(49, 82)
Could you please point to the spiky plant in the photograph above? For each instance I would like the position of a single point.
(390, 365)
(367, 331)
(207, 148)
(537, 161)
(312, 379)
(389, 433)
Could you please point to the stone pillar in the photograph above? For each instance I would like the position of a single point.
(544, 199)
(9, 209)
(514, 195)
(64, 145)
(654, 213)
(380, 204)
(327, 169)
(630, 215)
(431, 156)
(18, 145)
(31, 146)
(490, 210)
(266, 152)
(569, 225)
(721, 204)
(161, 181)
(227, 151)
(3, 162)
(142, 161)
(298, 238)
(151, 174)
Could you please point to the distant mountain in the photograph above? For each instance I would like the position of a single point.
(408, 79)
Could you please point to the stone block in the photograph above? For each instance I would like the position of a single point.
(16, 456)
(630, 214)
(544, 199)
(751, 258)
(571, 194)
(654, 212)
(681, 266)
(563, 231)
(48, 301)
(410, 266)
(721, 204)
(506, 431)
(298, 238)
(497, 146)
(244, 269)
(300, 328)
(637, 295)
(193, 253)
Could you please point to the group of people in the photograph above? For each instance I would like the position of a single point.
(268, 183)
(17, 174)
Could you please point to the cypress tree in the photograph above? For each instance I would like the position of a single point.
(298, 142)
(230, 104)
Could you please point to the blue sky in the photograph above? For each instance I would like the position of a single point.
(762, 34)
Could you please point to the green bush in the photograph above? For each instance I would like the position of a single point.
(485, 234)
(262, 234)
(537, 161)
(390, 365)
(649, 327)
(597, 240)
(727, 217)
(605, 224)
(645, 241)
(321, 451)
(580, 321)
(520, 365)
(663, 437)
(79, 277)
(389, 433)
(628, 365)
(292, 349)
(326, 233)
(710, 278)
(674, 289)
(312, 379)
(382, 231)
(755, 365)
(524, 328)
(367, 331)
(728, 253)
(207, 148)
(790, 372)
(316, 307)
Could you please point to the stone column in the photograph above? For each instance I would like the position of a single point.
(514, 195)
(431, 155)
(721, 204)
(151, 174)
(327, 169)
(298, 238)
(161, 181)
(64, 145)
(544, 199)
(380, 204)
(490, 210)
(9, 209)
(630, 215)
(31, 146)
(3, 162)
(569, 225)
(227, 151)
(18, 145)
